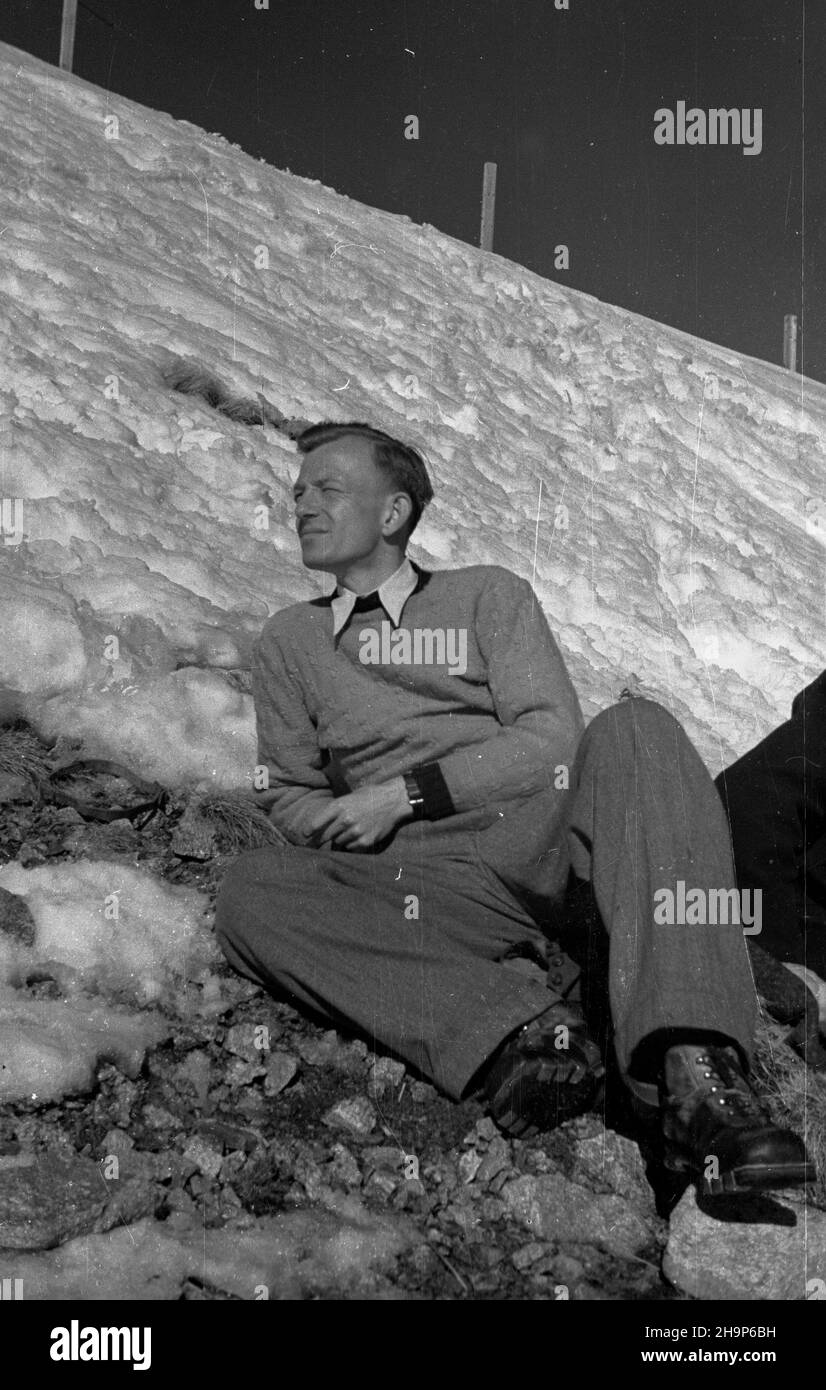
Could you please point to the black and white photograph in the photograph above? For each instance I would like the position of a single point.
(412, 675)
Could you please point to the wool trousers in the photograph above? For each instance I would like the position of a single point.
(414, 953)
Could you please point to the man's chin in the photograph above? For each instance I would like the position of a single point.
(317, 557)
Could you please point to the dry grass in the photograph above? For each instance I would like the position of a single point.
(239, 823)
(23, 755)
(795, 1095)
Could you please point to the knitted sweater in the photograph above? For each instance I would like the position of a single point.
(489, 741)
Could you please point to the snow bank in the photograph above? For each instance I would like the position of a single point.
(190, 727)
(663, 494)
(342, 1252)
(113, 929)
(42, 648)
(101, 929)
(49, 1049)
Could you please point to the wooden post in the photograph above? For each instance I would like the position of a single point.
(790, 342)
(67, 34)
(488, 207)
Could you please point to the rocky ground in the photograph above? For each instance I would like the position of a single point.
(258, 1155)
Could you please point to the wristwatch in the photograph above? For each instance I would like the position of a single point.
(414, 795)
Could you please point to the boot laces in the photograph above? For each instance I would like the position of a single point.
(732, 1090)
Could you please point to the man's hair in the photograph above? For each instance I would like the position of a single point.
(401, 464)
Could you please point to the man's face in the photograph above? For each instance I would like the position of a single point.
(341, 501)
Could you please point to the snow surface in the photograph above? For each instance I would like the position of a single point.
(692, 562)
(50, 1048)
(116, 929)
(105, 930)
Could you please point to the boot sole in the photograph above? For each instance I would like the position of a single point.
(571, 1101)
(745, 1180)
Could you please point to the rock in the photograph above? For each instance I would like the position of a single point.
(231, 1165)
(420, 1092)
(767, 1249)
(356, 1115)
(52, 1200)
(609, 1159)
(343, 1167)
(115, 1141)
(244, 1040)
(206, 1159)
(253, 1106)
(411, 1194)
(281, 1068)
(504, 1176)
(318, 1052)
(330, 1051)
(75, 839)
(240, 1073)
(230, 1203)
(384, 1156)
(531, 1254)
(158, 1118)
(483, 1132)
(491, 1209)
(385, 1074)
(381, 1185)
(192, 1075)
(179, 1203)
(16, 920)
(553, 1208)
(469, 1165)
(311, 1176)
(132, 1163)
(15, 787)
(466, 1218)
(202, 1186)
(567, 1270)
(496, 1158)
(117, 1097)
(590, 1293)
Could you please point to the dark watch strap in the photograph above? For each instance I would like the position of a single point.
(414, 795)
(437, 799)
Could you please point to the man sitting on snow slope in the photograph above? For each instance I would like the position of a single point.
(430, 773)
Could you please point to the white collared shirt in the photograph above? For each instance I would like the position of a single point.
(393, 595)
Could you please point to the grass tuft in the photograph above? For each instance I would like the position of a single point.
(794, 1093)
(239, 823)
(22, 754)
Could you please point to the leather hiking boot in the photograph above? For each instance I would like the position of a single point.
(548, 1073)
(715, 1129)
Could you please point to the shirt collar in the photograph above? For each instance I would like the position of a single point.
(393, 595)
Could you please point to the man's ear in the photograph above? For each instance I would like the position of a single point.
(400, 510)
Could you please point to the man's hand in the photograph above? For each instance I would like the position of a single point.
(362, 818)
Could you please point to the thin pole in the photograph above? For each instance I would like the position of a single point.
(67, 34)
(488, 207)
(790, 342)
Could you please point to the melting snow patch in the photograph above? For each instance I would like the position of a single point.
(50, 1048)
(118, 930)
(185, 728)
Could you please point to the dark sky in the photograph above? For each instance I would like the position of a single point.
(705, 238)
